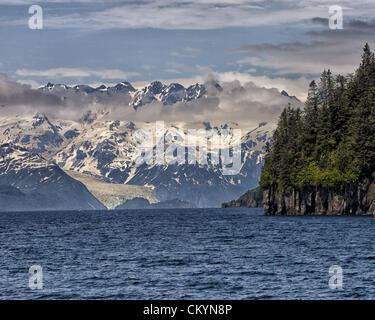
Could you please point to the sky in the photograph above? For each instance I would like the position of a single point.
(280, 44)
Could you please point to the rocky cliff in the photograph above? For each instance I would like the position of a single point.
(354, 199)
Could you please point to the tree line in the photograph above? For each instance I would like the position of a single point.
(331, 142)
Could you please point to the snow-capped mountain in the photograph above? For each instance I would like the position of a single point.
(124, 93)
(103, 147)
(30, 182)
(205, 185)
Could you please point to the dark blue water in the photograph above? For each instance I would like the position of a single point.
(185, 254)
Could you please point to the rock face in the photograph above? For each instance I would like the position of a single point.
(251, 199)
(355, 199)
(29, 182)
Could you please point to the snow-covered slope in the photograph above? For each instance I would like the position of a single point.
(113, 195)
(30, 182)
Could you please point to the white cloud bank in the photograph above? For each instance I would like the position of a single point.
(238, 102)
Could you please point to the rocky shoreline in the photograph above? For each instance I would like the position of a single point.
(355, 199)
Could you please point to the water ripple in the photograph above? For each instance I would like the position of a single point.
(181, 254)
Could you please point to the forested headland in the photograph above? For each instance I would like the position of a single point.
(322, 158)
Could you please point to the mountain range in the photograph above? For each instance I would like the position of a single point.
(125, 94)
(102, 148)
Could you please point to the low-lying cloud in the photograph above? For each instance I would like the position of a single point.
(235, 101)
(14, 94)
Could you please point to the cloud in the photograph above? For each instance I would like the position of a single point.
(77, 73)
(170, 70)
(338, 50)
(32, 83)
(147, 67)
(246, 104)
(31, 2)
(196, 14)
(190, 49)
(175, 67)
(188, 52)
(320, 21)
(13, 93)
(295, 87)
(243, 102)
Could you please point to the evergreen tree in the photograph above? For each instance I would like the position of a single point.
(362, 122)
(310, 127)
(332, 142)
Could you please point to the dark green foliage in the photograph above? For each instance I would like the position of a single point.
(251, 199)
(332, 141)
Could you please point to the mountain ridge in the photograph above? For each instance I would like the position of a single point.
(29, 182)
(155, 91)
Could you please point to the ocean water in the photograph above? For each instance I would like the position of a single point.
(185, 254)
